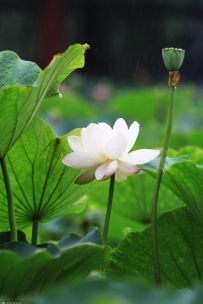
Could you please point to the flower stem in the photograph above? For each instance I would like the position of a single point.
(107, 220)
(34, 232)
(11, 210)
(157, 186)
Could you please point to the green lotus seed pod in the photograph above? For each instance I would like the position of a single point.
(173, 58)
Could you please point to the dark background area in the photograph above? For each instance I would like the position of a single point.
(125, 36)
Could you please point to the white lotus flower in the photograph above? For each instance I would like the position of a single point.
(105, 151)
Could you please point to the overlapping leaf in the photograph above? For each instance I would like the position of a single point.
(25, 269)
(24, 86)
(14, 71)
(43, 187)
(184, 179)
(180, 245)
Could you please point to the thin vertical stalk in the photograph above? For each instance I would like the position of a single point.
(157, 186)
(107, 220)
(35, 225)
(11, 209)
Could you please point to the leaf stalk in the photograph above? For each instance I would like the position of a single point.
(11, 208)
(35, 225)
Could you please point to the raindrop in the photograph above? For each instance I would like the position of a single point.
(138, 62)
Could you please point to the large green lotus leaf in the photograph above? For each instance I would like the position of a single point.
(184, 179)
(25, 86)
(132, 198)
(43, 187)
(26, 269)
(108, 292)
(180, 245)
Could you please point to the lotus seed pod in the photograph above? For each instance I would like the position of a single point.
(173, 58)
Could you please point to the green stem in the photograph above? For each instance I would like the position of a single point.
(34, 232)
(11, 210)
(107, 220)
(157, 186)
